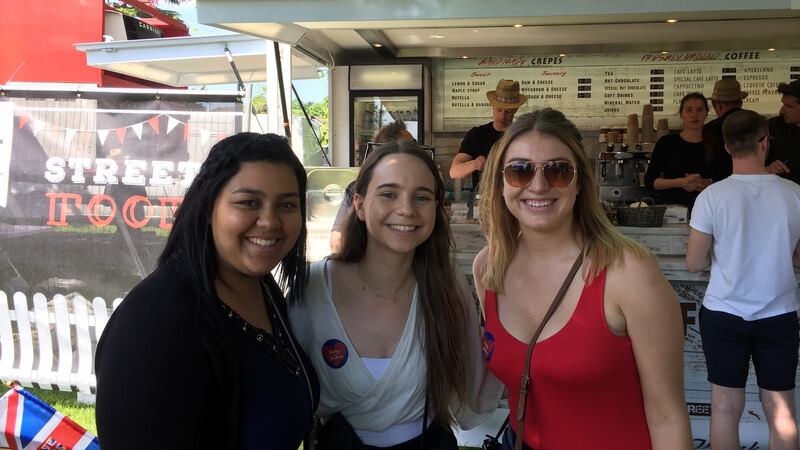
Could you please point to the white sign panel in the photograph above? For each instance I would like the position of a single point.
(754, 432)
(602, 90)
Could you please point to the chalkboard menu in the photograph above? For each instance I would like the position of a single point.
(601, 90)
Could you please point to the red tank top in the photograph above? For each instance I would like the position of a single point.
(584, 391)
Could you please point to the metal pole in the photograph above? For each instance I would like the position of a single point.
(308, 119)
(286, 128)
(248, 94)
(248, 108)
(239, 81)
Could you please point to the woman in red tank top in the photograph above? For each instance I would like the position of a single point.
(607, 371)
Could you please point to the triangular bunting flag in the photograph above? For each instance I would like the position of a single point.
(172, 123)
(38, 126)
(186, 132)
(23, 120)
(205, 135)
(70, 134)
(102, 134)
(154, 124)
(137, 129)
(121, 134)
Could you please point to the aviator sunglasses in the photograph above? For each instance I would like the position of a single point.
(559, 174)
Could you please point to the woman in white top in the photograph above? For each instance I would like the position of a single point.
(388, 323)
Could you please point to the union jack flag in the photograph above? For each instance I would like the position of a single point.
(27, 423)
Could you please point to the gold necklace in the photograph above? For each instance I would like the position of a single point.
(379, 295)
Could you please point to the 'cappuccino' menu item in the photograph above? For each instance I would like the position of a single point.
(602, 90)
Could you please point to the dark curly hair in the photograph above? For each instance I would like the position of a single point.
(791, 89)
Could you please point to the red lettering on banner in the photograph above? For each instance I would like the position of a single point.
(168, 202)
(168, 205)
(63, 197)
(92, 210)
(129, 208)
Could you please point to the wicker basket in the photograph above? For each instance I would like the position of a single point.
(645, 216)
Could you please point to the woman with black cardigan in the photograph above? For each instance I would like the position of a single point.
(199, 354)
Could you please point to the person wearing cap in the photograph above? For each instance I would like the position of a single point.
(471, 156)
(726, 99)
(784, 132)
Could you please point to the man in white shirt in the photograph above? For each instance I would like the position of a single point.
(747, 228)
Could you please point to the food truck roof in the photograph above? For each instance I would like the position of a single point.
(194, 60)
(358, 32)
(453, 29)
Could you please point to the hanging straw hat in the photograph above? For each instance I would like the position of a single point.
(507, 95)
(728, 90)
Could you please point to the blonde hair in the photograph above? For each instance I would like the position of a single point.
(603, 244)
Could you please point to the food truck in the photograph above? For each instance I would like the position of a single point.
(599, 63)
(430, 64)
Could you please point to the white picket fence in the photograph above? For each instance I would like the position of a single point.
(51, 346)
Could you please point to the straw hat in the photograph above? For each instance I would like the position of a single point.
(728, 90)
(507, 95)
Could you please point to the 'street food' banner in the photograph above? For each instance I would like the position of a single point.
(89, 184)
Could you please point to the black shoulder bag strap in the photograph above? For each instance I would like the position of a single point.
(525, 378)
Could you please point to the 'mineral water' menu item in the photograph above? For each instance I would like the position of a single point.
(602, 90)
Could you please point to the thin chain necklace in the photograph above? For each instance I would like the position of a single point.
(378, 294)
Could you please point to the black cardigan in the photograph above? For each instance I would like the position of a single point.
(167, 369)
(673, 158)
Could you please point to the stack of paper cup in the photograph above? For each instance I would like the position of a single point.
(612, 137)
(647, 123)
(632, 133)
(662, 129)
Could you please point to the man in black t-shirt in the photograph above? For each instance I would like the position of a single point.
(477, 143)
(784, 134)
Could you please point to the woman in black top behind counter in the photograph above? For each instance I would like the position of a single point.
(681, 165)
(199, 354)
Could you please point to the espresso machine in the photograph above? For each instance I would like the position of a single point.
(620, 170)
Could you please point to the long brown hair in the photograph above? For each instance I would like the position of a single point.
(444, 315)
(602, 242)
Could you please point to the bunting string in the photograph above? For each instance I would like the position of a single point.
(37, 126)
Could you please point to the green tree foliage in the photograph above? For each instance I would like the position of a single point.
(318, 112)
(259, 103)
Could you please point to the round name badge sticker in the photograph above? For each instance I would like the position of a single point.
(335, 353)
(487, 346)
